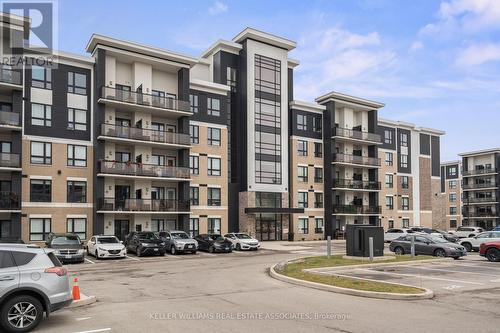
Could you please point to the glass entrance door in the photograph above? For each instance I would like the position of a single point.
(122, 228)
(268, 227)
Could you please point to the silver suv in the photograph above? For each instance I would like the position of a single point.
(32, 281)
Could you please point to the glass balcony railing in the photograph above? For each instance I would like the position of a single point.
(142, 134)
(139, 169)
(479, 171)
(358, 135)
(9, 200)
(479, 185)
(356, 184)
(142, 205)
(355, 159)
(10, 160)
(10, 118)
(354, 209)
(9, 75)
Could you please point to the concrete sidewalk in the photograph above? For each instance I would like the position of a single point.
(298, 245)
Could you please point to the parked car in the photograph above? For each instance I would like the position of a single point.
(393, 233)
(463, 232)
(490, 250)
(427, 245)
(473, 243)
(177, 241)
(497, 228)
(142, 243)
(213, 243)
(438, 233)
(68, 248)
(242, 241)
(24, 299)
(101, 246)
(11, 240)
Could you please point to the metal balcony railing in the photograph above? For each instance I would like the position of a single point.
(139, 169)
(9, 200)
(143, 99)
(358, 135)
(9, 75)
(479, 185)
(356, 184)
(355, 159)
(10, 160)
(142, 205)
(10, 118)
(478, 200)
(479, 171)
(143, 134)
(354, 209)
(480, 213)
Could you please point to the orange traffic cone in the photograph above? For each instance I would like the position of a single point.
(76, 290)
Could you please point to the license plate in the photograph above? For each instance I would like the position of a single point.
(227, 248)
(67, 256)
(190, 246)
(156, 249)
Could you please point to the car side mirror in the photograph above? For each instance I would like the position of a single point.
(167, 238)
(121, 242)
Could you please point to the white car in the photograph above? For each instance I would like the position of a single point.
(473, 243)
(242, 241)
(105, 247)
(463, 232)
(392, 234)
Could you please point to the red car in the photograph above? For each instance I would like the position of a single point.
(490, 250)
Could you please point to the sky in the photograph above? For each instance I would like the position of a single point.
(433, 63)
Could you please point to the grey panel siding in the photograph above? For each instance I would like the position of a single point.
(309, 133)
(202, 114)
(435, 156)
(241, 121)
(59, 128)
(425, 144)
(328, 146)
(381, 131)
(290, 85)
(372, 122)
(183, 154)
(443, 180)
(398, 138)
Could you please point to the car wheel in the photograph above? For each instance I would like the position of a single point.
(21, 314)
(96, 254)
(194, 252)
(211, 249)
(493, 255)
(172, 250)
(138, 251)
(440, 253)
(238, 247)
(456, 258)
(468, 246)
(399, 251)
(88, 252)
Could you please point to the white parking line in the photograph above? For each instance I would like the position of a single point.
(461, 272)
(82, 318)
(418, 276)
(95, 331)
(132, 258)
(90, 261)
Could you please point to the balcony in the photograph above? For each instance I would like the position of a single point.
(480, 213)
(11, 119)
(480, 200)
(10, 161)
(134, 101)
(475, 186)
(353, 184)
(112, 132)
(355, 159)
(9, 201)
(351, 134)
(130, 170)
(133, 205)
(355, 210)
(482, 171)
(9, 78)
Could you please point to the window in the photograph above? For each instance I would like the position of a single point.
(39, 229)
(452, 171)
(318, 175)
(317, 126)
(194, 134)
(303, 226)
(453, 210)
(41, 153)
(77, 119)
(77, 156)
(404, 161)
(303, 202)
(406, 223)
(194, 165)
(388, 137)
(405, 182)
(231, 78)
(213, 166)
(319, 225)
(193, 102)
(301, 122)
(5, 228)
(302, 173)
(194, 195)
(214, 136)
(6, 260)
(318, 200)
(41, 77)
(390, 224)
(452, 197)
(213, 196)
(158, 225)
(213, 225)
(404, 140)
(452, 184)
(388, 159)
(318, 149)
(77, 226)
(453, 223)
(40, 190)
(389, 202)
(213, 106)
(405, 203)
(77, 83)
(268, 199)
(41, 115)
(388, 181)
(302, 148)
(122, 156)
(194, 227)
(158, 159)
(77, 191)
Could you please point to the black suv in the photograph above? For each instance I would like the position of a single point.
(142, 243)
(68, 247)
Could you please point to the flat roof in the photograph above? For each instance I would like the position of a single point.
(307, 106)
(224, 45)
(411, 126)
(340, 97)
(481, 152)
(265, 37)
(450, 162)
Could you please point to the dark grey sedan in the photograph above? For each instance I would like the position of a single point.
(427, 245)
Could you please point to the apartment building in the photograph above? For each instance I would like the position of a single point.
(451, 191)
(480, 181)
(410, 175)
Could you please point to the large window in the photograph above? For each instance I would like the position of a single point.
(389, 181)
(77, 119)
(405, 203)
(77, 191)
(317, 125)
(40, 229)
(319, 225)
(40, 190)
(231, 78)
(404, 139)
(318, 200)
(77, 83)
(194, 227)
(388, 137)
(194, 134)
(213, 166)
(389, 159)
(77, 226)
(194, 195)
(453, 197)
(302, 122)
(193, 102)
(213, 136)
(41, 77)
(303, 201)
(404, 161)
(405, 182)
(213, 196)
(213, 106)
(268, 199)
(302, 148)
(41, 115)
(389, 202)
(214, 225)
(318, 149)
(452, 184)
(77, 155)
(158, 225)
(302, 174)
(41, 152)
(406, 223)
(5, 228)
(303, 225)
(194, 165)
(318, 175)
(452, 171)
(453, 210)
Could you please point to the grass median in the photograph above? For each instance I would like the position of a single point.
(295, 270)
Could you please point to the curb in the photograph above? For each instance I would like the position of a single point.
(84, 301)
(427, 294)
(377, 264)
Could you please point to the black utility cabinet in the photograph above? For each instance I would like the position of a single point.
(357, 240)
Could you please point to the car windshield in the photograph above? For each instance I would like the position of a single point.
(179, 235)
(66, 240)
(147, 235)
(217, 237)
(243, 236)
(107, 240)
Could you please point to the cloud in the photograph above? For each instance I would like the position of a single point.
(217, 8)
(478, 54)
(416, 45)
